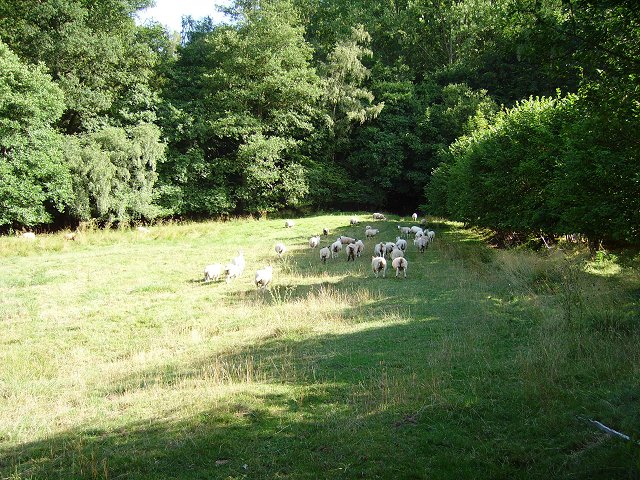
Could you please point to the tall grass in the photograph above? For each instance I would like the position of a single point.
(118, 361)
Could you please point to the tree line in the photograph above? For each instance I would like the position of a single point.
(520, 116)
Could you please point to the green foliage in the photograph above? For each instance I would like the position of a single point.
(34, 180)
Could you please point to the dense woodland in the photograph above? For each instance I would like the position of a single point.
(516, 115)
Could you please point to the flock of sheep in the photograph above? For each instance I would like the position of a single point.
(394, 251)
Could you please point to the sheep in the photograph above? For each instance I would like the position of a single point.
(335, 248)
(368, 227)
(359, 247)
(324, 254)
(400, 265)
(401, 244)
(379, 249)
(420, 234)
(354, 221)
(371, 232)
(70, 236)
(280, 248)
(379, 264)
(423, 221)
(314, 241)
(289, 224)
(325, 231)
(395, 253)
(414, 217)
(144, 230)
(379, 216)
(388, 247)
(404, 231)
(231, 270)
(421, 243)
(415, 229)
(351, 250)
(28, 235)
(212, 272)
(239, 261)
(346, 240)
(431, 235)
(264, 277)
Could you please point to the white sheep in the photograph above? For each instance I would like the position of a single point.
(388, 247)
(351, 250)
(401, 244)
(400, 265)
(395, 253)
(280, 248)
(379, 264)
(231, 271)
(379, 249)
(379, 216)
(415, 229)
(359, 247)
(314, 241)
(346, 240)
(239, 261)
(324, 254)
(421, 243)
(335, 248)
(414, 217)
(431, 235)
(264, 277)
(212, 272)
(28, 235)
(289, 224)
(354, 221)
(371, 232)
(404, 231)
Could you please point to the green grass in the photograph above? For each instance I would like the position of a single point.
(117, 361)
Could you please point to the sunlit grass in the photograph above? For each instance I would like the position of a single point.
(118, 361)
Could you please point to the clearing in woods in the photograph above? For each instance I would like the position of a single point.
(117, 361)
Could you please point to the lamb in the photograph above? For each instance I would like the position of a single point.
(359, 247)
(404, 230)
(414, 217)
(401, 244)
(352, 249)
(379, 216)
(324, 254)
(314, 241)
(232, 271)
(212, 272)
(400, 265)
(371, 232)
(379, 264)
(280, 248)
(335, 248)
(354, 221)
(264, 277)
(28, 235)
(379, 249)
(346, 240)
(289, 224)
(421, 243)
(395, 253)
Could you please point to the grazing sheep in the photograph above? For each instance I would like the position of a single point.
(421, 243)
(404, 231)
(324, 254)
(289, 224)
(28, 235)
(351, 249)
(379, 216)
(400, 265)
(212, 272)
(388, 248)
(264, 277)
(379, 249)
(325, 231)
(401, 244)
(335, 248)
(379, 264)
(371, 232)
(423, 221)
(414, 217)
(346, 240)
(280, 249)
(314, 241)
(354, 221)
(359, 247)
(419, 234)
(431, 235)
(395, 253)
(415, 230)
(231, 271)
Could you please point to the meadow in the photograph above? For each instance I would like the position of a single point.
(118, 362)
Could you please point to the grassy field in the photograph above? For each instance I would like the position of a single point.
(117, 361)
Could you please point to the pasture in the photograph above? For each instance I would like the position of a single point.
(118, 361)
